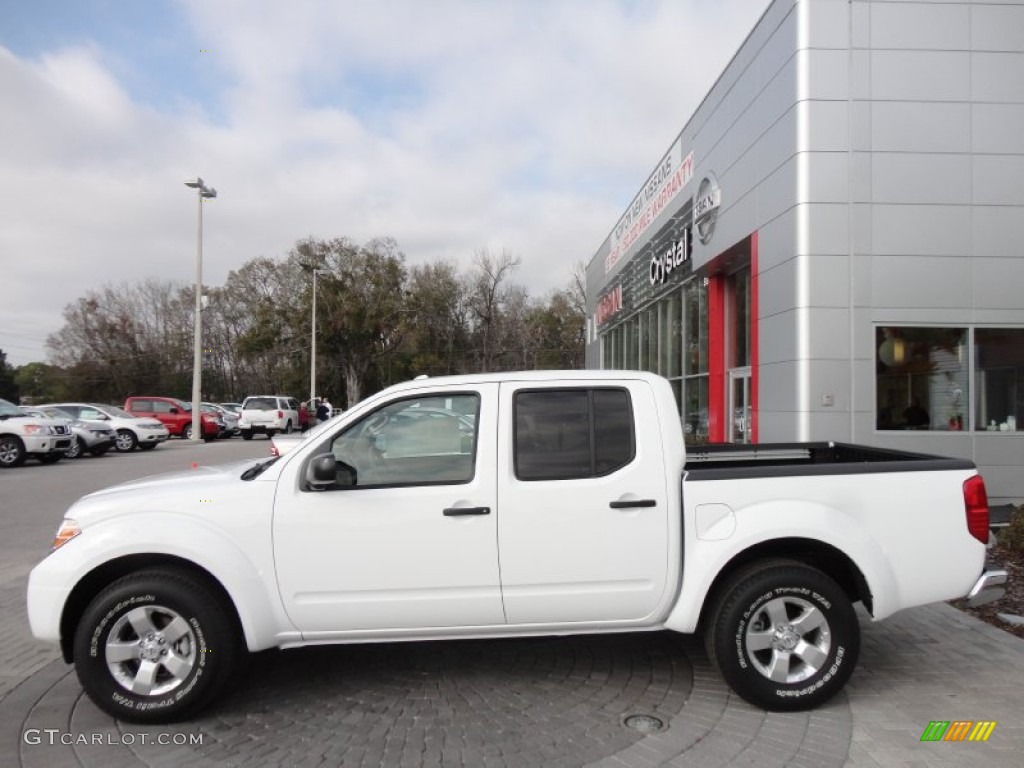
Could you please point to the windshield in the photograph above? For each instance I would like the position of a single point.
(9, 409)
(261, 404)
(183, 405)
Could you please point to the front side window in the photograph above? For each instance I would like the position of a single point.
(417, 441)
(566, 434)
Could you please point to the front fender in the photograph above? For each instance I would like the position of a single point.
(247, 577)
(763, 522)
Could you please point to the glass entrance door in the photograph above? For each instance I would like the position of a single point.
(739, 405)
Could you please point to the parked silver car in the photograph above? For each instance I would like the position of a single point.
(132, 431)
(230, 418)
(93, 437)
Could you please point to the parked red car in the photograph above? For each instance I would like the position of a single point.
(174, 414)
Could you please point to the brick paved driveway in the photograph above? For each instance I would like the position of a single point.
(523, 702)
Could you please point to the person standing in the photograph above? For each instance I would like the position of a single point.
(329, 407)
(322, 414)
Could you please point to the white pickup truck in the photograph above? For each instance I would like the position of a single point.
(544, 503)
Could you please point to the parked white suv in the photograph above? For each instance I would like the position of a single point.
(22, 436)
(268, 415)
(132, 431)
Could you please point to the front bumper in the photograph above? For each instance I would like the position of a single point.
(97, 439)
(988, 587)
(41, 444)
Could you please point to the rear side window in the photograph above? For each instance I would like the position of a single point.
(566, 434)
(141, 405)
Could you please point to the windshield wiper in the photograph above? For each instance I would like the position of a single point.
(256, 470)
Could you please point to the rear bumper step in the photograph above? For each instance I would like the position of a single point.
(988, 587)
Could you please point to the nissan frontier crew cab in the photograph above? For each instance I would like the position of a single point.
(513, 504)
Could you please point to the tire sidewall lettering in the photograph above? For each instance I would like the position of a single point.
(115, 612)
(810, 595)
(124, 699)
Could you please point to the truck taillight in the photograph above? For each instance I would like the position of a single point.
(976, 507)
(280, 414)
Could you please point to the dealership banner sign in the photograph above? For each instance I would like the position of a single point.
(672, 174)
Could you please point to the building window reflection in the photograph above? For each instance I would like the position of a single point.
(922, 378)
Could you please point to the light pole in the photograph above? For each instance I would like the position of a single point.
(197, 342)
(312, 356)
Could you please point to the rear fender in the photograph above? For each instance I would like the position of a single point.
(760, 523)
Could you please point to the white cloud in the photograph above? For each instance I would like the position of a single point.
(450, 125)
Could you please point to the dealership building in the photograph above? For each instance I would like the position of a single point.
(832, 248)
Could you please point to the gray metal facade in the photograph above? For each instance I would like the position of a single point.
(876, 148)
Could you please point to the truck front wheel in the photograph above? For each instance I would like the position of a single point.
(154, 646)
(784, 636)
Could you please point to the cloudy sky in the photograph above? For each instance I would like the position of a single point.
(450, 125)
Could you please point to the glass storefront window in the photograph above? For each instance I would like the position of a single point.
(739, 319)
(672, 336)
(999, 378)
(696, 332)
(921, 377)
(695, 417)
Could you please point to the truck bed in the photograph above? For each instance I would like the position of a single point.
(727, 461)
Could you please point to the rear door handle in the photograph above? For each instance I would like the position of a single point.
(630, 503)
(463, 511)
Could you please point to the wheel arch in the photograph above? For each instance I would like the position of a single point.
(830, 560)
(98, 578)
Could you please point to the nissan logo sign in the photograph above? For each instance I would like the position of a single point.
(705, 207)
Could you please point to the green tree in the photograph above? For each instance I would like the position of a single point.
(41, 383)
(360, 307)
(8, 385)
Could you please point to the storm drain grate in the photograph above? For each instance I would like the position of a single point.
(643, 723)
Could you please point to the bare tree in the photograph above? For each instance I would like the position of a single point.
(487, 291)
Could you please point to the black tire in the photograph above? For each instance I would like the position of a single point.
(270, 434)
(786, 618)
(169, 620)
(147, 446)
(49, 458)
(99, 451)
(76, 450)
(288, 427)
(12, 451)
(126, 440)
(186, 432)
(246, 434)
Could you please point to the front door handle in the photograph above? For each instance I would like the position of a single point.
(630, 503)
(463, 511)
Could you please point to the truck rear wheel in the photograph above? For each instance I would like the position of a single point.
(784, 636)
(155, 646)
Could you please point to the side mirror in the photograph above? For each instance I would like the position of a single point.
(322, 471)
